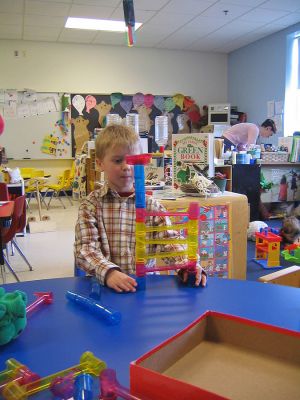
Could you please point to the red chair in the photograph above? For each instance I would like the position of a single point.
(4, 195)
(18, 222)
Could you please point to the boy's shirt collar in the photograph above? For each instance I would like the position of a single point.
(105, 189)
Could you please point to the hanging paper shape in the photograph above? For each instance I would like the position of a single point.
(194, 113)
(90, 102)
(129, 21)
(65, 102)
(126, 105)
(148, 100)
(169, 104)
(187, 102)
(115, 98)
(79, 103)
(159, 103)
(178, 100)
(138, 99)
(2, 125)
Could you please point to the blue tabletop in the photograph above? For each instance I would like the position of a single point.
(56, 335)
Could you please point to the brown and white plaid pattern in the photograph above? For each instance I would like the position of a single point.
(105, 233)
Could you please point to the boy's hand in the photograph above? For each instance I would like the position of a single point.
(200, 278)
(120, 282)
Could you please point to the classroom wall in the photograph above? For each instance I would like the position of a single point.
(81, 68)
(256, 74)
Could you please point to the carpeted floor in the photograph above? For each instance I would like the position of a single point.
(254, 270)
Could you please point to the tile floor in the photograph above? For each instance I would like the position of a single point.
(50, 253)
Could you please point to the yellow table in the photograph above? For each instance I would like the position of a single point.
(239, 223)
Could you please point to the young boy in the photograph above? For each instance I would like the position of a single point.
(105, 229)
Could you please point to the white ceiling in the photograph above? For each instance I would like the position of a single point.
(198, 25)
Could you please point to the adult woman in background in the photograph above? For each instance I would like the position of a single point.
(245, 134)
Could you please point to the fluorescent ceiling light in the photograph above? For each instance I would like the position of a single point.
(98, 24)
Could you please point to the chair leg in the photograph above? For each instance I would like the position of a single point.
(22, 254)
(11, 269)
(52, 194)
(2, 273)
(68, 197)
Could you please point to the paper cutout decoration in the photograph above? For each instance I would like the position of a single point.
(178, 100)
(90, 102)
(65, 102)
(159, 103)
(49, 145)
(126, 105)
(79, 103)
(2, 125)
(169, 104)
(194, 113)
(148, 100)
(103, 109)
(138, 99)
(115, 98)
(187, 103)
(81, 133)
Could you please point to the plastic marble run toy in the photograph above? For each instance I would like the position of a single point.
(61, 383)
(190, 224)
(267, 248)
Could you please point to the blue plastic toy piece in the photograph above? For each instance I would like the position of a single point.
(96, 308)
(83, 389)
(95, 290)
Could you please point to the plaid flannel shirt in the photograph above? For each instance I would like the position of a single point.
(105, 233)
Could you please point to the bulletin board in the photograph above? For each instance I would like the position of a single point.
(35, 126)
(89, 111)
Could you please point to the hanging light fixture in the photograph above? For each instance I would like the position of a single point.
(129, 21)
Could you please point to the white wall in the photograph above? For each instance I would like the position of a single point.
(82, 68)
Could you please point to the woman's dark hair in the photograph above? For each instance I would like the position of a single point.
(271, 123)
(283, 180)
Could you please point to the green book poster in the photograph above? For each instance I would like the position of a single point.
(192, 153)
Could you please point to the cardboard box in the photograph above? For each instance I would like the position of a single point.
(221, 357)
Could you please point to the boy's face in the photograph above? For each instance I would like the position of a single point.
(118, 173)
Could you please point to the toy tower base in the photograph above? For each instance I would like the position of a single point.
(264, 264)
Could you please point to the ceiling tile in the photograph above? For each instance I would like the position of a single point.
(234, 11)
(98, 3)
(77, 35)
(46, 32)
(247, 3)
(289, 20)
(47, 8)
(149, 4)
(263, 15)
(167, 18)
(43, 20)
(140, 15)
(188, 7)
(90, 12)
(286, 5)
(11, 6)
(11, 19)
(11, 31)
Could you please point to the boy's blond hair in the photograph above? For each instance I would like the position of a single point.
(115, 135)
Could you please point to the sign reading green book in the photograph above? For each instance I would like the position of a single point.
(192, 153)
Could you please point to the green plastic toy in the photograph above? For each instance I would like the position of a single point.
(12, 314)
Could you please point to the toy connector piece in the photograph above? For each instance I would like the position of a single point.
(94, 307)
(42, 298)
(83, 387)
(139, 159)
(110, 387)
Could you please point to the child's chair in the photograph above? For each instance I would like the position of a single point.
(58, 188)
(34, 185)
(4, 195)
(18, 222)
